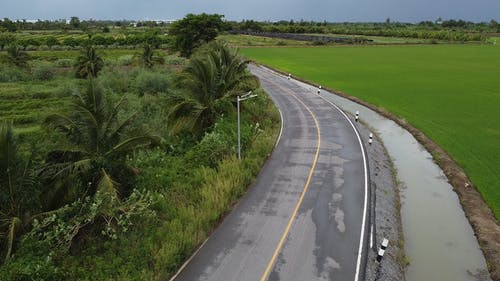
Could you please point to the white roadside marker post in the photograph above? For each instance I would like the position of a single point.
(319, 89)
(289, 76)
(357, 115)
(370, 139)
(383, 248)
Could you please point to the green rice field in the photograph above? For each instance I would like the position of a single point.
(450, 92)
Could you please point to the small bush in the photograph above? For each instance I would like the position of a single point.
(12, 74)
(115, 81)
(175, 60)
(64, 62)
(125, 60)
(43, 72)
(281, 43)
(148, 82)
(65, 90)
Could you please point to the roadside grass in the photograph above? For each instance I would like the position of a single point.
(450, 92)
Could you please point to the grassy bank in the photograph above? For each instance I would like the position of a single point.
(450, 92)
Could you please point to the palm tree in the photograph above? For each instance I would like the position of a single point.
(16, 56)
(149, 58)
(213, 78)
(88, 63)
(18, 191)
(99, 141)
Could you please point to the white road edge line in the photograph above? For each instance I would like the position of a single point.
(365, 206)
(363, 223)
(189, 260)
(371, 236)
(281, 129)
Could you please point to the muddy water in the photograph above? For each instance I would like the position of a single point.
(439, 241)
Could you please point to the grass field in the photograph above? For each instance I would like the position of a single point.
(450, 92)
(26, 103)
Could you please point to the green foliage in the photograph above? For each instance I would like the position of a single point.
(148, 82)
(18, 191)
(211, 81)
(125, 60)
(104, 212)
(88, 63)
(12, 74)
(115, 80)
(43, 71)
(175, 60)
(51, 41)
(64, 62)
(6, 39)
(16, 56)
(100, 139)
(74, 22)
(30, 267)
(459, 111)
(194, 30)
(149, 58)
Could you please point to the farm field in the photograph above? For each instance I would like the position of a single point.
(26, 103)
(450, 92)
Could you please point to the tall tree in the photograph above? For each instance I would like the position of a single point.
(213, 78)
(99, 141)
(74, 22)
(88, 63)
(194, 30)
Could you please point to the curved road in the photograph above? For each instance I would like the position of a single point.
(305, 217)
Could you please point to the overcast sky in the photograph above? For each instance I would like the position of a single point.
(318, 10)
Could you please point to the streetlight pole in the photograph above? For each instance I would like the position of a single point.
(238, 100)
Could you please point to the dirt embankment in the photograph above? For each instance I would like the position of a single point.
(484, 223)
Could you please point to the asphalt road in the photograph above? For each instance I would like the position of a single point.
(304, 217)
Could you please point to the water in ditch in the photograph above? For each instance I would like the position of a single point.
(439, 241)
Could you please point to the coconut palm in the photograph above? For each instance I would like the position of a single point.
(18, 191)
(88, 63)
(213, 78)
(149, 58)
(99, 141)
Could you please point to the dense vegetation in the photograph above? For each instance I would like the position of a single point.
(113, 165)
(188, 33)
(451, 30)
(450, 92)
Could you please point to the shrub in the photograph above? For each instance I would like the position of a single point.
(148, 82)
(65, 90)
(12, 74)
(175, 60)
(114, 81)
(125, 60)
(43, 71)
(64, 62)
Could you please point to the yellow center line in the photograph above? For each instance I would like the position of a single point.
(301, 198)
